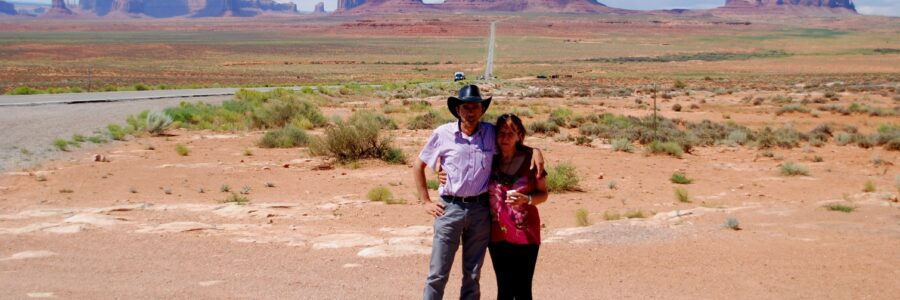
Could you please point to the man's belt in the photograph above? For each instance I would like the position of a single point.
(483, 198)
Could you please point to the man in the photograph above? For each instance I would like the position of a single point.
(465, 151)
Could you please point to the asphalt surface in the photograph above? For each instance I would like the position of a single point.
(74, 98)
(29, 125)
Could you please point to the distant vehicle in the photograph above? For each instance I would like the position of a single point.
(459, 76)
(542, 76)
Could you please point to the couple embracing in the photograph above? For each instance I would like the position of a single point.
(487, 199)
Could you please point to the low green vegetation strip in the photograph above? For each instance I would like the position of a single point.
(703, 56)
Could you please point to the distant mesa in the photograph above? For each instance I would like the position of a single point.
(250, 8)
(389, 6)
(788, 6)
(7, 8)
(183, 8)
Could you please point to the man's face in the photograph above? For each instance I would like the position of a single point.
(470, 112)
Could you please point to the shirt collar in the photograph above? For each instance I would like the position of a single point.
(458, 128)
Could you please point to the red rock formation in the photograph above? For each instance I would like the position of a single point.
(320, 8)
(789, 6)
(389, 6)
(186, 8)
(346, 5)
(7, 8)
(572, 6)
(58, 9)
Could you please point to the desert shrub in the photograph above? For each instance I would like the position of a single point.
(864, 141)
(141, 87)
(611, 215)
(680, 178)
(394, 156)
(794, 169)
(782, 99)
(886, 132)
(822, 132)
(543, 127)
(61, 144)
(116, 132)
(681, 195)
(843, 138)
(357, 138)
(635, 214)
(893, 145)
(680, 85)
(737, 137)
(281, 109)
(392, 109)
(561, 116)
(794, 107)
(840, 207)
(545, 93)
(581, 218)
(182, 150)
(157, 122)
(583, 141)
(285, 137)
(420, 105)
(670, 148)
(562, 178)
(733, 224)
(869, 186)
(236, 199)
(96, 139)
(786, 137)
(24, 90)
(78, 138)
(623, 145)
(676, 107)
(429, 120)
(380, 194)
(383, 121)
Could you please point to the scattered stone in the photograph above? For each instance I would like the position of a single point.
(210, 282)
(65, 229)
(345, 240)
(100, 158)
(176, 227)
(323, 167)
(30, 254)
(41, 295)
(394, 251)
(92, 219)
(408, 231)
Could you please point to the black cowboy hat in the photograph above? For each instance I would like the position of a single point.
(467, 94)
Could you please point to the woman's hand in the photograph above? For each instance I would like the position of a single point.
(513, 197)
(442, 177)
(537, 162)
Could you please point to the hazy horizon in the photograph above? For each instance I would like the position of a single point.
(866, 7)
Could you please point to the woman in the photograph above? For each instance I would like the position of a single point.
(514, 190)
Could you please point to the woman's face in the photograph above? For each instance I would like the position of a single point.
(507, 136)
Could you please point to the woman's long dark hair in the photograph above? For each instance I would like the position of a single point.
(511, 119)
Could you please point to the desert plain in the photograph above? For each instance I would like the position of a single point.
(782, 182)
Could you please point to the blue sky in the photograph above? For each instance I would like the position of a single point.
(868, 7)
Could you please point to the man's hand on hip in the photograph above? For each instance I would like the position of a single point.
(435, 209)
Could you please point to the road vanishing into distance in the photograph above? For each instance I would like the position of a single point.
(75, 98)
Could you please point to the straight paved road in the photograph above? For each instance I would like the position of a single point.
(72, 98)
(27, 132)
